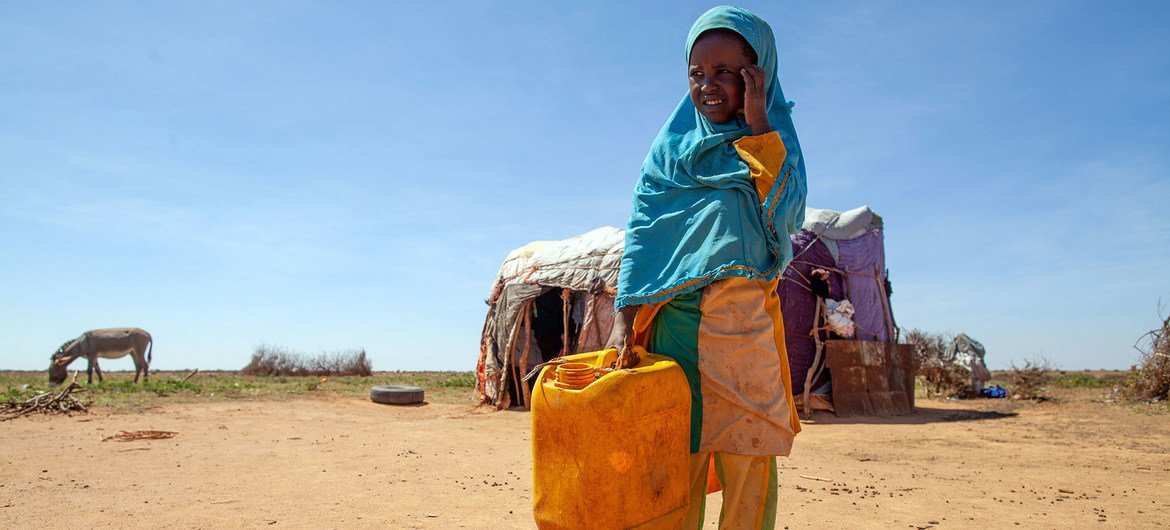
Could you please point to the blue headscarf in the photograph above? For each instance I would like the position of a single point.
(697, 216)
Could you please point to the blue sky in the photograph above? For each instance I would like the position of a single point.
(329, 175)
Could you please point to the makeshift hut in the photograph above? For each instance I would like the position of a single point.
(838, 321)
(549, 298)
(556, 297)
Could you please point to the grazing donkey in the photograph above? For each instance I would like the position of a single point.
(109, 343)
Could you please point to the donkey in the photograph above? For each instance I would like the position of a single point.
(109, 343)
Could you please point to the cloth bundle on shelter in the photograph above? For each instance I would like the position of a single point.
(549, 298)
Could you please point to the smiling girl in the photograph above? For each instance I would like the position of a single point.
(721, 190)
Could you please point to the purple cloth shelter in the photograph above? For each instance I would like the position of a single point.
(850, 246)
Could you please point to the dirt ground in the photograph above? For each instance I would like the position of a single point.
(339, 462)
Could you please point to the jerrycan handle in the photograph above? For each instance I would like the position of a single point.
(638, 350)
(604, 358)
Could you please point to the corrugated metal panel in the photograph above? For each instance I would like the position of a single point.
(871, 378)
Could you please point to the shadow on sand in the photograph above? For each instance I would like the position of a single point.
(921, 416)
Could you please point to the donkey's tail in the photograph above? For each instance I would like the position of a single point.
(149, 347)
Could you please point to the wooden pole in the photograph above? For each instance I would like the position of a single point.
(808, 378)
(526, 394)
(566, 309)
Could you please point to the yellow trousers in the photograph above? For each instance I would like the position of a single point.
(749, 491)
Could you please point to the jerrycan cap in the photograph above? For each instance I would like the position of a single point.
(575, 376)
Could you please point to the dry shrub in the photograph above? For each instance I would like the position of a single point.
(278, 360)
(1028, 382)
(927, 346)
(1149, 380)
(939, 377)
(946, 380)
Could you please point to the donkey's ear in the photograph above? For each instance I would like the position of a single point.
(63, 361)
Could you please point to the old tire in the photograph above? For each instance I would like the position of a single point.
(396, 394)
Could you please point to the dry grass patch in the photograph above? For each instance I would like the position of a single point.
(270, 360)
(119, 393)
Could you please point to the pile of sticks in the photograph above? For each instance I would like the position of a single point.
(58, 402)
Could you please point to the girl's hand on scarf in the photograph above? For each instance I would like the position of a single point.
(755, 101)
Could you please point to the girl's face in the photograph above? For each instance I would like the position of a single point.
(717, 87)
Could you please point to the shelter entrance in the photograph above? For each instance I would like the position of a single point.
(554, 329)
(550, 327)
(553, 317)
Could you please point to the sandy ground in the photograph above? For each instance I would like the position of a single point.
(347, 463)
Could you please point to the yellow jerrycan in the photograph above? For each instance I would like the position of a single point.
(610, 449)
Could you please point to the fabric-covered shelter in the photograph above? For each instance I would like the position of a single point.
(549, 298)
(848, 251)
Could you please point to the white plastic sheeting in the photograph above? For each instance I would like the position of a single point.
(572, 263)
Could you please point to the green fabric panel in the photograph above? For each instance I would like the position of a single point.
(675, 334)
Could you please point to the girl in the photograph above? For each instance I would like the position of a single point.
(721, 189)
